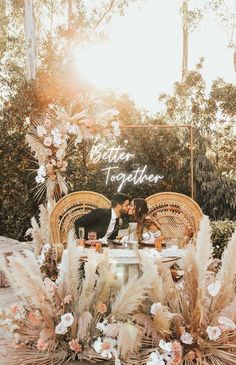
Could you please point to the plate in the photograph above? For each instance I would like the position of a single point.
(146, 243)
(116, 241)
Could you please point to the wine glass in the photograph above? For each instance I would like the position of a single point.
(81, 233)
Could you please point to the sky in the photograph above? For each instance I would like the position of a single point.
(143, 54)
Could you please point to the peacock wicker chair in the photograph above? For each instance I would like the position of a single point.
(177, 215)
(68, 209)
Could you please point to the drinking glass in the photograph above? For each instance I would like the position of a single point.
(92, 237)
(132, 232)
(81, 233)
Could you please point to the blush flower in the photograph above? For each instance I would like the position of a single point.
(67, 299)
(75, 346)
(102, 308)
(34, 318)
(106, 347)
(41, 345)
(177, 352)
(47, 141)
(213, 332)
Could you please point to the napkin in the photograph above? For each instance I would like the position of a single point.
(103, 240)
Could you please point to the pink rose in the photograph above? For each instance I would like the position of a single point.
(67, 299)
(75, 346)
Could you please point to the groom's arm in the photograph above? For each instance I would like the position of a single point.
(88, 220)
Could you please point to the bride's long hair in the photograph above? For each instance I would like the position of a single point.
(140, 212)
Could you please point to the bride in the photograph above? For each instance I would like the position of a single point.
(147, 227)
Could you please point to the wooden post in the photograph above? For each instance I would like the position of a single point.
(191, 159)
(185, 38)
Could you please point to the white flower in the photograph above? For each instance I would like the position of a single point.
(61, 329)
(79, 139)
(214, 288)
(106, 347)
(41, 131)
(55, 131)
(57, 141)
(39, 179)
(47, 141)
(155, 308)
(46, 248)
(186, 338)
(213, 332)
(155, 359)
(116, 128)
(179, 285)
(42, 170)
(166, 346)
(117, 361)
(226, 322)
(73, 129)
(101, 325)
(67, 319)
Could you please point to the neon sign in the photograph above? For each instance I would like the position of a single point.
(113, 155)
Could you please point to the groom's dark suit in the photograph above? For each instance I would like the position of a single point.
(97, 221)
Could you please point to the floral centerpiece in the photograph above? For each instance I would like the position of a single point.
(89, 315)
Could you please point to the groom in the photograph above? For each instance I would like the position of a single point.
(105, 222)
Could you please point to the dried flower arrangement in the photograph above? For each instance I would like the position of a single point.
(151, 320)
(52, 136)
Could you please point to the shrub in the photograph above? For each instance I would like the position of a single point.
(221, 233)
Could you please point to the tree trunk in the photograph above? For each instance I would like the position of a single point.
(185, 39)
(69, 23)
(30, 41)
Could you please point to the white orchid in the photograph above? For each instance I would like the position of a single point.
(214, 288)
(226, 323)
(42, 170)
(155, 307)
(61, 329)
(41, 131)
(166, 346)
(67, 319)
(214, 332)
(101, 325)
(39, 179)
(73, 129)
(155, 359)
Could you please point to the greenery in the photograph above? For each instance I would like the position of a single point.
(221, 233)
